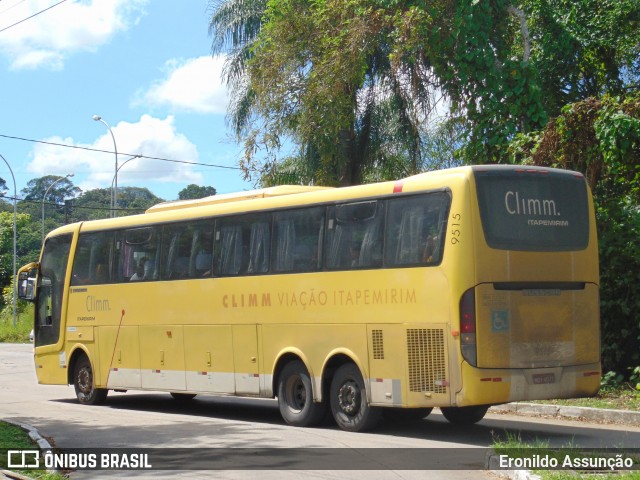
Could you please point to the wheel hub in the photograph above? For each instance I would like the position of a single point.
(84, 381)
(297, 393)
(349, 398)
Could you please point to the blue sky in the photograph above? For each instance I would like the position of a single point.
(144, 66)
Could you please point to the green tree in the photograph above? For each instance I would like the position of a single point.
(95, 204)
(601, 138)
(351, 83)
(323, 76)
(6, 243)
(194, 191)
(37, 187)
(3, 187)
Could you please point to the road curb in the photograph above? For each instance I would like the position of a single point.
(43, 443)
(598, 415)
(33, 433)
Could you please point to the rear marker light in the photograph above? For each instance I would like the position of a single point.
(468, 327)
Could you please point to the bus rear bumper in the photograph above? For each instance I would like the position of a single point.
(495, 386)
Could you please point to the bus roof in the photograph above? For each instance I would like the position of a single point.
(234, 197)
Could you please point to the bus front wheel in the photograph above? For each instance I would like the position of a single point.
(84, 386)
(464, 415)
(349, 405)
(295, 397)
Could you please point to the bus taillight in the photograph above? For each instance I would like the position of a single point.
(468, 327)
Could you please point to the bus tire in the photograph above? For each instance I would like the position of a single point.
(402, 415)
(348, 400)
(295, 397)
(464, 415)
(84, 385)
(183, 397)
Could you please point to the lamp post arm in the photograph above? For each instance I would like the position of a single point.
(114, 195)
(45, 196)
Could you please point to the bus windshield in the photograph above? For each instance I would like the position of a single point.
(533, 209)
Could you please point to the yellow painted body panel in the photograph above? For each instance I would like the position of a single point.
(119, 349)
(400, 326)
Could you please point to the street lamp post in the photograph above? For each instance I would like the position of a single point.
(115, 177)
(45, 196)
(15, 280)
(114, 190)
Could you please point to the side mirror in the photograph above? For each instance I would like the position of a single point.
(27, 282)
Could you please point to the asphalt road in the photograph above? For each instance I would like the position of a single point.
(155, 420)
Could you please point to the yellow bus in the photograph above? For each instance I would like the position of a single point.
(458, 289)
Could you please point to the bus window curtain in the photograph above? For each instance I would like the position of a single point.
(335, 251)
(259, 248)
(231, 250)
(286, 239)
(371, 244)
(409, 241)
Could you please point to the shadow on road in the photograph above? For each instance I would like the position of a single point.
(244, 415)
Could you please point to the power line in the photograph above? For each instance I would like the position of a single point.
(75, 206)
(35, 14)
(120, 153)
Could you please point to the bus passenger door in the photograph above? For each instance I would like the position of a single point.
(245, 355)
(209, 359)
(162, 357)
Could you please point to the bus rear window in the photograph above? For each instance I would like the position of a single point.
(534, 209)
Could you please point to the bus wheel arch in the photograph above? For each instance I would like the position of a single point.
(294, 388)
(83, 380)
(78, 352)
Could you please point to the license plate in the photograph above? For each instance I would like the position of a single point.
(542, 378)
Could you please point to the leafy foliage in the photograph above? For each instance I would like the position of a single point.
(351, 83)
(6, 243)
(193, 191)
(601, 138)
(56, 189)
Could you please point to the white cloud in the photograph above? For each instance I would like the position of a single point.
(150, 136)
(193, 85)
(46, 39)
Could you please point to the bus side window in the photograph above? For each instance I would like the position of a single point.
(415, 229)
(177, 240)
(139, 254)
(297, 240)
(355, 235)
(243, 245)
(92, 259)
(201, 257)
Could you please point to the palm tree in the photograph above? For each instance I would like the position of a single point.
(355, 126)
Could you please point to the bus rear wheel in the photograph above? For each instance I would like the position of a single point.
(183, 397)
(295, 397)
(464, 415)
(348, 399)
(83, 383)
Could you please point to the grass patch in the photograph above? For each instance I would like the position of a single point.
(12, 437)
(621, 398)
(24, 324)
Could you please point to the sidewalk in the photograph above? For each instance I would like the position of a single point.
(596, 415)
